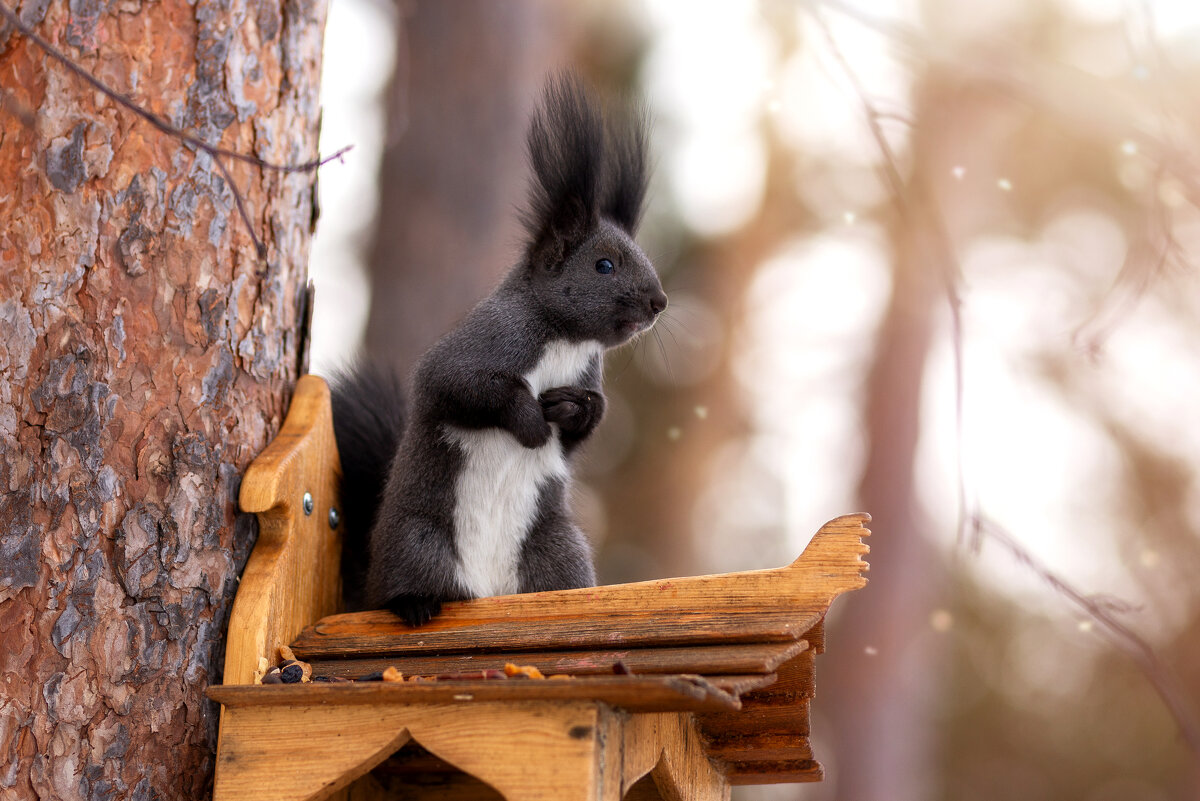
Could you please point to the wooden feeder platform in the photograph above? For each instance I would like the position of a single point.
(669, 689)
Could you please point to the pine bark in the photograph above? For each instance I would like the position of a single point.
(146, 356)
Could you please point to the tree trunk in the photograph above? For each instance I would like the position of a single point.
(146, 356)
(881, 672)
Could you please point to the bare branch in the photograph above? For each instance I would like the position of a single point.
(1080, 99)
(1102, 611)
(1145, 262)
(149, 116)
(167, 128)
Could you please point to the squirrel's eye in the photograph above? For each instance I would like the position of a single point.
(604, 266)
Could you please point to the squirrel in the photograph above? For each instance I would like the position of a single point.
(463, 492)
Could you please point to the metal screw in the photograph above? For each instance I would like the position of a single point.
(308, 503)
(334, 519)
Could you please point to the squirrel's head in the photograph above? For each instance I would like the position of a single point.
(589, 181)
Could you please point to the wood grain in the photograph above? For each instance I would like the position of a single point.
(704, 660)
(770, 747)
(289, 753)
(784, 718)
(292, 577)
(782, 772)
(671, 750)
(776, 605)
(637, 693)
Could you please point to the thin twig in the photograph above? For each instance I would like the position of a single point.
(1069, 94)
(1144, 263)
(259, 247)
(149, 116)
(167, 128)
(1101, 610)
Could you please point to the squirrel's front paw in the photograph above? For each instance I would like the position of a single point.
(415, 610)
(530, 427)
(575, 410)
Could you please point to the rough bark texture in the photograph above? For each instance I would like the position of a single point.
(146, 356)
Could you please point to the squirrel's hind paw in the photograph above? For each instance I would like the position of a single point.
(415, 610)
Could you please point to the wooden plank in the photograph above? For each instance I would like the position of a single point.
(792, 718)
(776, 605)
(768, 747)
(534, 751)
(292, 753)
(742, 685)
(786, 772)
(671, 750)
(635, 693)
(796, 681)
(703, 660)
(293, 575)
(816, 636)
(660, 749)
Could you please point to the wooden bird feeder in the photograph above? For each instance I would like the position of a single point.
(670, 689)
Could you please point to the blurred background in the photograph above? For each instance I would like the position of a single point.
(929, 260)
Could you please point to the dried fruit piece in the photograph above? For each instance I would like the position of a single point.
(292, 673)
(528, 671)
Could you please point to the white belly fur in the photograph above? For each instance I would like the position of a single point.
(497, 490)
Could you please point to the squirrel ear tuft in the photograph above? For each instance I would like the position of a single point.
(626, 173)
(566, 151)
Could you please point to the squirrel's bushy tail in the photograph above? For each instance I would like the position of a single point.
(368, 421)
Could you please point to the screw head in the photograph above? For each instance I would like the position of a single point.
(334, 518)
(308, 503)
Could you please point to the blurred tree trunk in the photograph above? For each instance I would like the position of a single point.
(146, 356)
(875, 676)
(878, 676)
(453, 171)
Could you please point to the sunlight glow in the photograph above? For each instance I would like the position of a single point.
(357, 61)
(815, 304)
(708, 108)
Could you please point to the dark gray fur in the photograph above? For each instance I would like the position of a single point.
(589, 180)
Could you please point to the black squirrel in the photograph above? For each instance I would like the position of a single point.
(464, 493)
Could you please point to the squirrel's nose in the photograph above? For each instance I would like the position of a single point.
(658, 301)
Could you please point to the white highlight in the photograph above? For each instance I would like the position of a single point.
(497, 490)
